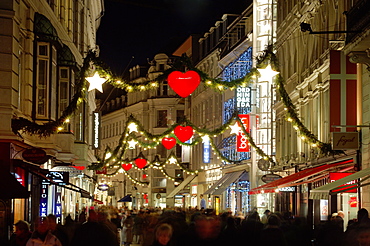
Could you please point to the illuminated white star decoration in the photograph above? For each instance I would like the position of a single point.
(172, 160)
(235, 128)
(266, 73)
(132, 127)
(205, 139)
(107, 155)
(96, 82)
(131, 144)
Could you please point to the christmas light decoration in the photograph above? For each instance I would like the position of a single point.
(183, 83)
(183, 133)
(127, 166)
(235, 128)
(169, 143)
(96, 82)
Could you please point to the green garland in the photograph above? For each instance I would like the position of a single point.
(184, 63)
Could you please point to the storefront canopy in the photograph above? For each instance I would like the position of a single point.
(126, 198)
(336, 187)
(224, 182)
(294, 179)
(181, 186)
(98, 201)
(10, 188)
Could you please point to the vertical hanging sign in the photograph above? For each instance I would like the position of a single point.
(206, 152)
(58, 203)
(44, 200)
(242, 144)
(96, 130)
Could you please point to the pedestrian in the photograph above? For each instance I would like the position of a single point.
(42, 235)
(93, 233)
(21, 235)
(137, 229)
(126, 232)
(265, 216)
(58, 230)
(163, 235)
(203, 204)
(272, 234)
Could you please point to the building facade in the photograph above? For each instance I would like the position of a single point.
(44, 44)
(321, 83)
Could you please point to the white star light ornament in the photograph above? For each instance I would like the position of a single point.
(96, 82)
(132, 144)
(266, 73)
(205, 139)
(172, 160)
(132, 127)
(235, 128)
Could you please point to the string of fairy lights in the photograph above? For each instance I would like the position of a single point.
(113, 160)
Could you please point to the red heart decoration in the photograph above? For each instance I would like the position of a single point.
(169, 143)
(183, 133)
(140, 162)
(183, 83)
(126, 166)
(145, 176)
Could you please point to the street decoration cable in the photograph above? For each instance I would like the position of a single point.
(267, 57)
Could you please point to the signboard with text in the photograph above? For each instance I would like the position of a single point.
(336, 176)
(242, 143)
(345, 140)
(96, 130)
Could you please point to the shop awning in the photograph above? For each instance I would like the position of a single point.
(181, 186)
(126, 198)
(41, 173)
(98, 201)
(324, 191)
(224, 182)
(292, 180)
(10, 188)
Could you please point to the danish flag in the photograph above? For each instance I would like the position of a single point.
(343, 91)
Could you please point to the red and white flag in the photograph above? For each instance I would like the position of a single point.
(343, 92)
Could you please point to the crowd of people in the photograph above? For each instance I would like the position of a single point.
(176, 227)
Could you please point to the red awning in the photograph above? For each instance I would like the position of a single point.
(292, 180)
(98, 201)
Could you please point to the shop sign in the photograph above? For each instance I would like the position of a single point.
(267, 178)
(324, 211)
(96, 130)
(242, 143)
(62, 178)
(58, 204)
(206, 151)
(243, 98)
(287, 189)
(353, 202)
(345, 140)
(103, 187)
(44, 200)
(35, 155)
(336, 176)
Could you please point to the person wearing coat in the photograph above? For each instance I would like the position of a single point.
(126, 232)
(42, 235)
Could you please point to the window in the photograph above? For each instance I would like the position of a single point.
(79, 126)
(63, 89)
(162, 89)
(42, 79)
(162, 118)
(180, 114)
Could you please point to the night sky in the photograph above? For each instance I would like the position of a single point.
(143, 28)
